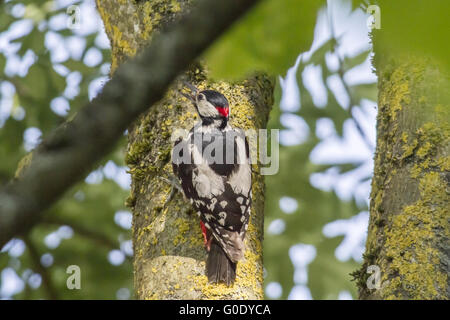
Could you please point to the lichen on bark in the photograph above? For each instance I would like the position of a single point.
(169, 257)
(408, 235)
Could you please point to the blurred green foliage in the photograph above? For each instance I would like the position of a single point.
(89, 209)
(327, 276)
(421, 27)
(269, 38)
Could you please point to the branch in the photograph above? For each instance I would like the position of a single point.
(83, 231)
(72, 149)
(36, 261)
(86, 232)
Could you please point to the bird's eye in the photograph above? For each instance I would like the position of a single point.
(200, 97)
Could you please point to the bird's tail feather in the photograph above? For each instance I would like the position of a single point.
(219, 268)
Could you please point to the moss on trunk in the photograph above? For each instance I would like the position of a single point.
(169, 258)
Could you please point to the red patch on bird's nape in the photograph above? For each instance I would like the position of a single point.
(223, 111)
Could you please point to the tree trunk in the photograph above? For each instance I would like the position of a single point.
(408, 237)
(169, 257)
(408, 244)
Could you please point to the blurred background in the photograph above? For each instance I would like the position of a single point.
(316, 206)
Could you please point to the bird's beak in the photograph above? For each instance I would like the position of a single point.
(194, 92)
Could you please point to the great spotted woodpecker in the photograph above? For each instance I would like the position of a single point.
(213, 165)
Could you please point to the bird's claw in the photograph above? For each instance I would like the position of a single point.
(175, 185)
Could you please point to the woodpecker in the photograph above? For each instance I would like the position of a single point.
(213, 165)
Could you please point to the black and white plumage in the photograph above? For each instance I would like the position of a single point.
(213, 165)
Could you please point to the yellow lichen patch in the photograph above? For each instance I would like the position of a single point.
(408, 148)
(196, 240)
(404, 137)
(416, 170)
(443, 163)
(153, 296)
(183, 226)
(212, 291)
(23, 164)
(429, 138)
(153, 14)
(122, 36)
(398, 94)
(127, 46)
(414, 255)
(424, 149)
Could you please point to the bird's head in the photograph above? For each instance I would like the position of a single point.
(210, 105)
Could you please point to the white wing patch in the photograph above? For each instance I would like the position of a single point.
(223, 216)
(241, 180)
(205, 181)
